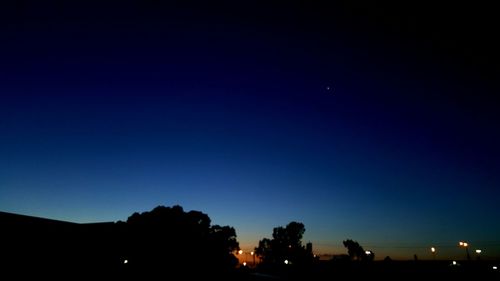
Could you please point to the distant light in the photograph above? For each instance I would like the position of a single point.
(251, 253)
(461, 243)
(328, 88)
(454, 262)
(494, 267)
(125, 261)
(368, 252)
(286, 261)
(433, 249)
(478, 251)
(314, 255)
(466, 244)
(245, 263)
(240, 252)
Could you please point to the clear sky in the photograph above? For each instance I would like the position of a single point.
(374, 123)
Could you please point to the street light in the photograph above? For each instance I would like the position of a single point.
(433, 251)
(466, 246)
(253, 257)
(478, 252)
(240, 252)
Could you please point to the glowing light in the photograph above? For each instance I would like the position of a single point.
(125, 261)
(433, 249)
(454, 262)
(461, 243)
(478, 251)
(240, 252)
(368, 252)
(251, 253)
(245, 263)
(286, 261)
(494, 267)
(466, 244)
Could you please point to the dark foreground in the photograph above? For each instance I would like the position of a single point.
(396, 270)
(53, 250)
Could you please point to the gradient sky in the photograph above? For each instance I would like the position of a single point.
(363, 121)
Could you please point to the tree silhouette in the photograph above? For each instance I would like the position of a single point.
(222, 240)
(264, 250)
(356, 252)
(286, 245)
(169, 238)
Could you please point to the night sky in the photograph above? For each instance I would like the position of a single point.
(373, 122)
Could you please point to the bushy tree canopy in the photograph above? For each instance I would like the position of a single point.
(286, 244)
(356, 252)
(169, 237)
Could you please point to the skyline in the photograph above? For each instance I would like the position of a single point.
(376, 127)
(438, 251)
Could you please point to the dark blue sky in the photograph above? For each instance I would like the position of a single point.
(363, 121)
